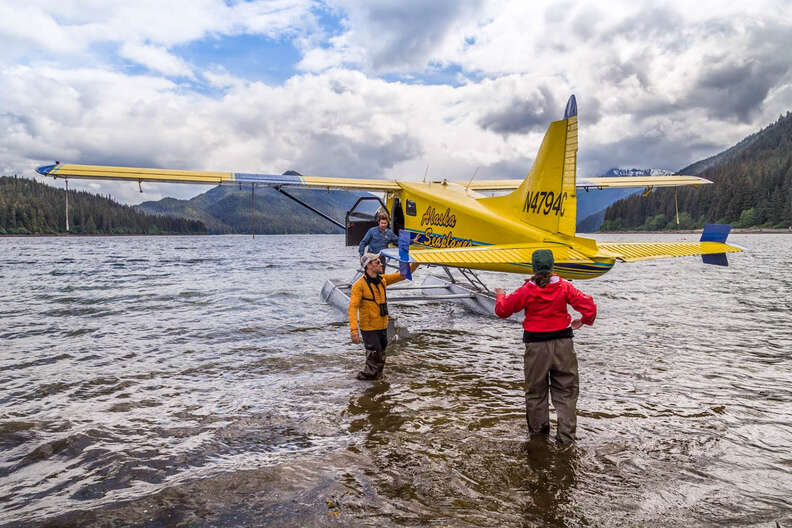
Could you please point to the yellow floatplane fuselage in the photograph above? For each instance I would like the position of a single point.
(448, 216)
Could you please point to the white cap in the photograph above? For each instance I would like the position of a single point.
(368, 257)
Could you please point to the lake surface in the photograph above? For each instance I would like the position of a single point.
(200, 381)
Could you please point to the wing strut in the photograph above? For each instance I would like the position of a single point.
(317, 211)
(67, 204)
(252, 211)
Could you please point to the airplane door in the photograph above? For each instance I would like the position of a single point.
(398, 216)
(358, 222)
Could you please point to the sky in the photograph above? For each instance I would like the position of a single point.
(381, 89)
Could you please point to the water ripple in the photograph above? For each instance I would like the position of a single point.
(200, 381)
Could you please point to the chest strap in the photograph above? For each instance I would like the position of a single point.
(373, 297)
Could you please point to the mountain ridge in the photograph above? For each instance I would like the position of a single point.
(752, 187)
(31, 207)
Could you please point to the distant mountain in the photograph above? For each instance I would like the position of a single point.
(752, 188)
(592, 223)
(227, 209)
(592, 203)
(30, 207)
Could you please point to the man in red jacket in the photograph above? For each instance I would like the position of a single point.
(550, 360)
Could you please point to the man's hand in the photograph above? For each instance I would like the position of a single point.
(356, 338)
(500, 291)
(414, 266)
(577, 323)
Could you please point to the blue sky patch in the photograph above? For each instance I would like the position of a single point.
(250, 57)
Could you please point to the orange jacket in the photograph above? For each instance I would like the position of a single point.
(360, 301)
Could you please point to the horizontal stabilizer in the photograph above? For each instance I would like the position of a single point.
(637, 251)
(670, 180)
(478, 256)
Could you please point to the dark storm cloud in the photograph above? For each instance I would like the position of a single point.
(524, 116)
(408, 33)
(658, 29)
(658, 26)
(619, 71)
(734, 89)
(585, 24)
(589, 110)
(731, 86)
(340, 156)
(652, 150)
(508, 169)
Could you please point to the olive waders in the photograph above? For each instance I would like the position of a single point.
(551, 365)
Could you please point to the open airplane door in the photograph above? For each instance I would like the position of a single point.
(358, 222)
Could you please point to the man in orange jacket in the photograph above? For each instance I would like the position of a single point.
(550, 360)
(368, 300)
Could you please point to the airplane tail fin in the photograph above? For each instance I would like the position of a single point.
(547, 197)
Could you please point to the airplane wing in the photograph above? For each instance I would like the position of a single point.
(671, 180)
(637, 251)
(134, 174)
(471, 257)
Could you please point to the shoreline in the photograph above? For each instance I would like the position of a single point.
(735, 231)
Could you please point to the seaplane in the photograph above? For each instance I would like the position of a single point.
(456, 226)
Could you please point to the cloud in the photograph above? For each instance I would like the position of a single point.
(156, 58)
(146, 30)
(336, 154)
(520, 116)
(112, 82)
(387, 37)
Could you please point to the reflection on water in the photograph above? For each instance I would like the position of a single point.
(182, 381)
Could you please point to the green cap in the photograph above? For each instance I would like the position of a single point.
(542, 261)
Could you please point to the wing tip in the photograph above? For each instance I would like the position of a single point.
(46, 170)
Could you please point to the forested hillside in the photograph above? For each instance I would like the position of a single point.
(30, 207)
(752, 188)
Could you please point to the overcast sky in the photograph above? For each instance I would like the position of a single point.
(381, 89)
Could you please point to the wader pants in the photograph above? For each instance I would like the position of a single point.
(375, 342)
(551, 365)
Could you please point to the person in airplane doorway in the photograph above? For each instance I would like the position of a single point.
(550, 360)
(368, 301)
(377, 238)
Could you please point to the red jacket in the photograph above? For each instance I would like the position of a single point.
(546, 308)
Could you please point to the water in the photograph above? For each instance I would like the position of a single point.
(199, 381)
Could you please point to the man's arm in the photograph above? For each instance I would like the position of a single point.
(392, 278)
(364, 242)
(355, 294)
